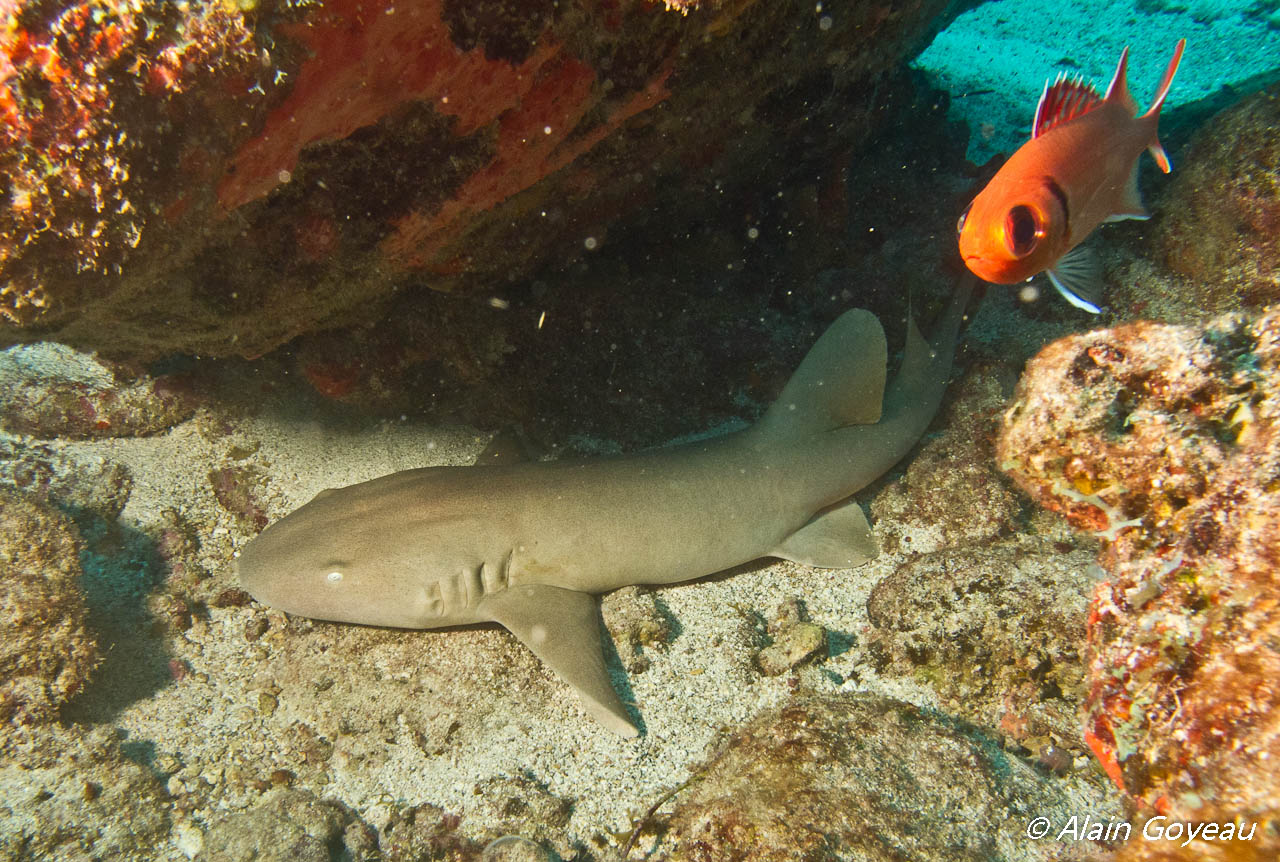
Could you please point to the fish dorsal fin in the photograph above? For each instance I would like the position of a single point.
(1063, 100)
(1118, 89)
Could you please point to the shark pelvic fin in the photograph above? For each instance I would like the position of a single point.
(840, 381)
(838, 537)
(561, 628)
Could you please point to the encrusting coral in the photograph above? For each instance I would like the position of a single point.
(1166, 441)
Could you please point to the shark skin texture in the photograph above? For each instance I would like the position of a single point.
(530, 546)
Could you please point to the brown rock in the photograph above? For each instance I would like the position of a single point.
(998, 633)
(1220, 216)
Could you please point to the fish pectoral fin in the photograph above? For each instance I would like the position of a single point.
(1078, 277)
(836, 538)
(562, 628)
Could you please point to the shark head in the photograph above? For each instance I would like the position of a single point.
(334, 560)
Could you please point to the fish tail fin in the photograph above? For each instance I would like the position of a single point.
(839, 382)
(1153, 113)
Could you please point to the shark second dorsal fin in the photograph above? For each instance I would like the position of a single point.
(561, 628)
(505, 448)
(839, 383)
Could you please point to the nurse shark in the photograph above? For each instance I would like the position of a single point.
(529, 546)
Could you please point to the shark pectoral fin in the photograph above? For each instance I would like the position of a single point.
(562, 629)
(836, 538)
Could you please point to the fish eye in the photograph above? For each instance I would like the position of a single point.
(960, 221)
(1022, 230)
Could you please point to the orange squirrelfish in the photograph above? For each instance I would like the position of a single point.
(1079, 169)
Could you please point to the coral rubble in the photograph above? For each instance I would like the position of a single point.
(794, 640)
(1165, 441)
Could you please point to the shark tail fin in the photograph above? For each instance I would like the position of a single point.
(925, 360)
(840, 381)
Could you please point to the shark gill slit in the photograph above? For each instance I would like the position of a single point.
(502, 579)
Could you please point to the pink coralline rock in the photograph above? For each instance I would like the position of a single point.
(238, 174)
(1165, 440)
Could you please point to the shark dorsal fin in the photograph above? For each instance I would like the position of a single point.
(840, 382)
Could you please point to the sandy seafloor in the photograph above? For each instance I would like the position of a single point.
(994, 59)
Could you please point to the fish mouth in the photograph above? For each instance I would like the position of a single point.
(988, 270)
(978, 265)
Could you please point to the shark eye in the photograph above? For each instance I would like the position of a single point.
(1022, 230)
(960, 221)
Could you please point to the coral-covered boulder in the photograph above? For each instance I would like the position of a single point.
(1220, 216)
(46, 650)
(997, 633)
(220, 177)
(48, 390)
(71, 792)
(1166, 441)
(287, 825)
(862, 777)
